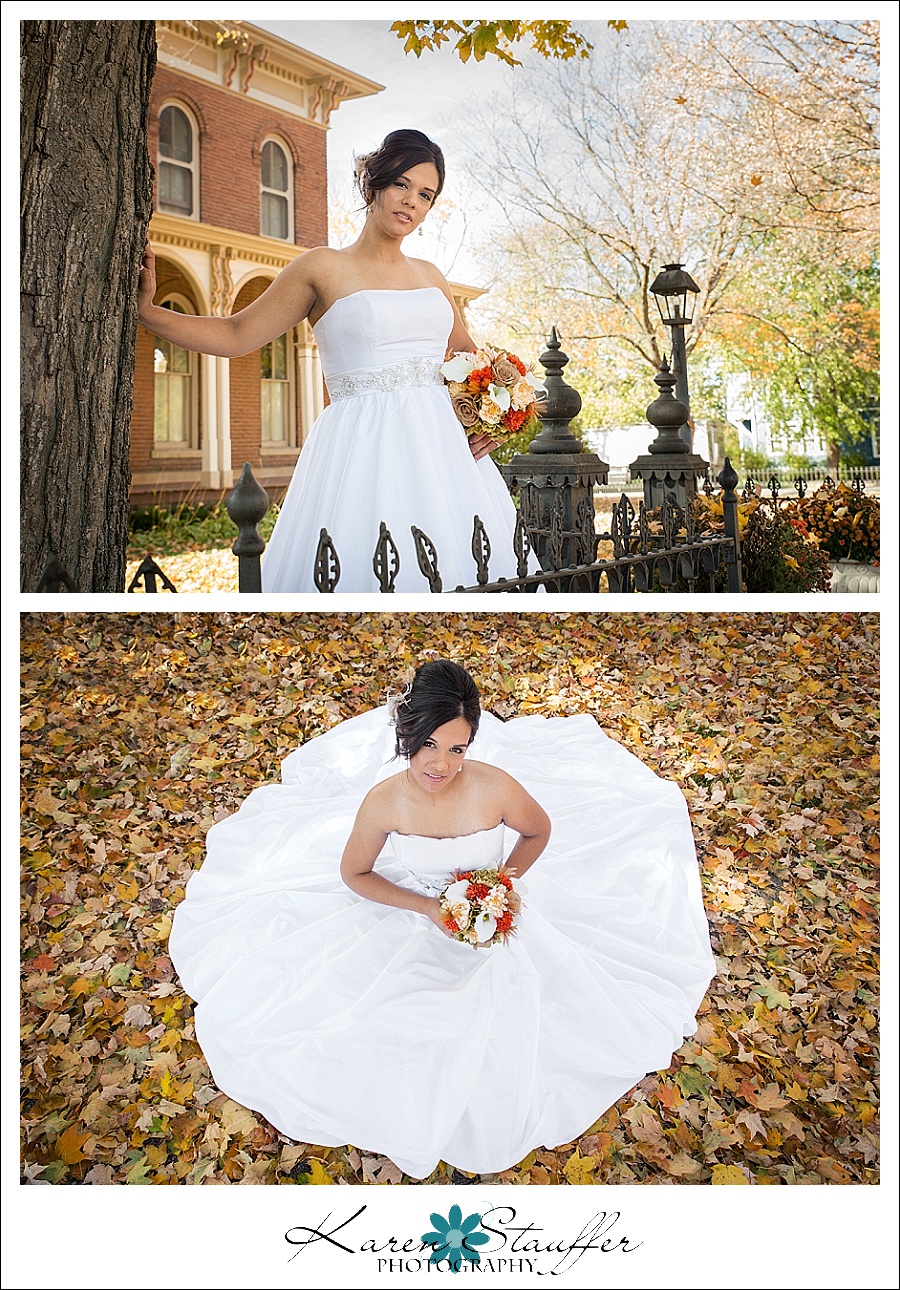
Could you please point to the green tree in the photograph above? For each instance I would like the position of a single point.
(807, 334)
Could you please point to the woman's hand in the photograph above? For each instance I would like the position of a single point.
(147, 280)
(434, 912)
(481, 444)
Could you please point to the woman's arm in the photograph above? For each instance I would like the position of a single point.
(523, 814)
(363, 848)
(288, 300)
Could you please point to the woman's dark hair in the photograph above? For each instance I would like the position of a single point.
(401, 150)
(440, 692)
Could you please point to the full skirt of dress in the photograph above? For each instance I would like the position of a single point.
(388, 449)
(348, 1022)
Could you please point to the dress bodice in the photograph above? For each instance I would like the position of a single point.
(430, 861)
(400, 334)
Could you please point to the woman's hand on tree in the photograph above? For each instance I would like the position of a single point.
(147, 280)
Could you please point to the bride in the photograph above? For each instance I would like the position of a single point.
(332, 998)
(388, 447)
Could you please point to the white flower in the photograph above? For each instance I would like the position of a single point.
(455, 904)
(459, 911)
(522, 394)
(494, 902)
(500, 395)
(485, 926)
(490, 412)
(459, 366)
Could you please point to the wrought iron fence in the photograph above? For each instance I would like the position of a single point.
(651, 551)
(772, 492)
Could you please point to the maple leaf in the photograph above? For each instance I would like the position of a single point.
(69, 1144)
(236, 1119)
(138, 1015)
(579, 1170)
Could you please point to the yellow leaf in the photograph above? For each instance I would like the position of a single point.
(318, 1175)
(160, 929)
(579, 1170)
(683, 1166)
(69, 1144)
(729, 1176)
(237, 1119)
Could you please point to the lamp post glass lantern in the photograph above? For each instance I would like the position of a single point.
(674, 290)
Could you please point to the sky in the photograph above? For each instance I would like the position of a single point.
(432, 94)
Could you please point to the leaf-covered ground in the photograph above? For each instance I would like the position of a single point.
(140, 730)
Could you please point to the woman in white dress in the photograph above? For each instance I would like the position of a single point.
(331, 997)
(389, 447)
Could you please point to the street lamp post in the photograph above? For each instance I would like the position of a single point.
(673, 290)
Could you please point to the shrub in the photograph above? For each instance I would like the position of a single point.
(188, 527)
(845, 523)
(778, 554)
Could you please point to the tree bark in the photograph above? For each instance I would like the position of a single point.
(86, 204)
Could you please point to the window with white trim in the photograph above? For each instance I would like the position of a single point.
(174, 389)
(177, 169)
(275, 191)
(275, 392)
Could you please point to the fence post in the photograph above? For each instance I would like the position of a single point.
(728, 479)
(556, 471)
(247, 504)
(55, 577)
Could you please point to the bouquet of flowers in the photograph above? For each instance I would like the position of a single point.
(480, 906)
(492, 392)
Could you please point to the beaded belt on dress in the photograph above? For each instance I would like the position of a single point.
(431, 884)
(413, 371)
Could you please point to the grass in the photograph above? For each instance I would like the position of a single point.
(156, 531)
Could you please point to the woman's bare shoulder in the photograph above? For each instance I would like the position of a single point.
(321, 262)
(380, 803)
(430, 271)
(491, 778)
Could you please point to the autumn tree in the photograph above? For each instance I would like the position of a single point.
(478, 38)
(610, 182)
(85, 199)
(641, 155)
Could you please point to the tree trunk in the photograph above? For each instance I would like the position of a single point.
(833, 458)
(86, 203)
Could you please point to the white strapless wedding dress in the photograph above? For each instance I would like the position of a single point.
(347, 1022)
(388, 447)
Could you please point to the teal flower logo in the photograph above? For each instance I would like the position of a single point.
(454, 1237)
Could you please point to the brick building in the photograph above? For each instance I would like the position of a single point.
(237, 137)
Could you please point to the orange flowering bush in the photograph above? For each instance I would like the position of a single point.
(843, 522)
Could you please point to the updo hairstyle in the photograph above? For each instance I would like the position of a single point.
(401, 150)
(440, 692)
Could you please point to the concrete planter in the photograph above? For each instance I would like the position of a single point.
(853, 575)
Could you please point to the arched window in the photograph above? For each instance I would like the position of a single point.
(177, 169)
(275, 391)
(174, 393)
(275, 192)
